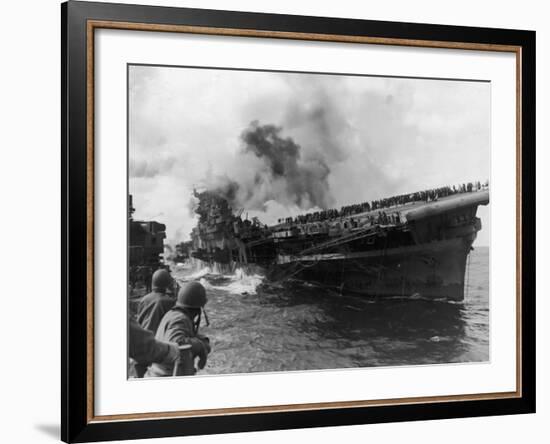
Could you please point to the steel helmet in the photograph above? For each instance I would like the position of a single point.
(161, 279)
(192, 295)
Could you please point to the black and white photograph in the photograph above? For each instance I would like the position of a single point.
(283, 221)
(263, 222)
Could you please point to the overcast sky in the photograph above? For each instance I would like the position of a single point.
(352, 138)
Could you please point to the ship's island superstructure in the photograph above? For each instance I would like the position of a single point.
(410, 245)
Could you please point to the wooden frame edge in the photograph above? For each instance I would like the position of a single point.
(91, 25)
(519, 222)
(337, 38)
(90, 207)
(286, 408)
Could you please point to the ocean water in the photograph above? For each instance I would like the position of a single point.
(258, 326)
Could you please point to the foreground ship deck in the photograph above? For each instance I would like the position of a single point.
(415, 249)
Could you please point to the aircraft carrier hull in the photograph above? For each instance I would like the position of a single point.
(416, 249)
(434, 271)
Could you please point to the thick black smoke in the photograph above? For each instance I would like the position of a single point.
(303, 182)
(271, 168)
(280, 155)
(290, 162)
(228, 189)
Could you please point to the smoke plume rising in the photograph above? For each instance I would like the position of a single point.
(279, 173)
(282, 144)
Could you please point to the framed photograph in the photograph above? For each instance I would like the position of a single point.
(275, 221)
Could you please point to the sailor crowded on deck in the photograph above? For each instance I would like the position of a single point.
(382, 217)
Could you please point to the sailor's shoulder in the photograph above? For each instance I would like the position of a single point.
(149, 297)
(176, 316)
(155, 297)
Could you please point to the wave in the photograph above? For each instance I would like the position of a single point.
(238, 282)
(197, 274)
(242, 282)
(196, 270)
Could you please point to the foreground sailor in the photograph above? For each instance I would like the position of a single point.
(181, 326)
(144, 349)
(153, 306)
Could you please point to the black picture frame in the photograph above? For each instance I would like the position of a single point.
(76, 423)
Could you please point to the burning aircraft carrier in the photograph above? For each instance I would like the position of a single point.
(412, 245)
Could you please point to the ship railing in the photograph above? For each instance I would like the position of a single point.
(367, 232)
(259, 242)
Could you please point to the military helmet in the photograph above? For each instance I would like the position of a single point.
(161, 279)
(192, 295)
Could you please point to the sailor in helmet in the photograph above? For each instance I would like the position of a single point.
(154, 305)
(180, 325)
